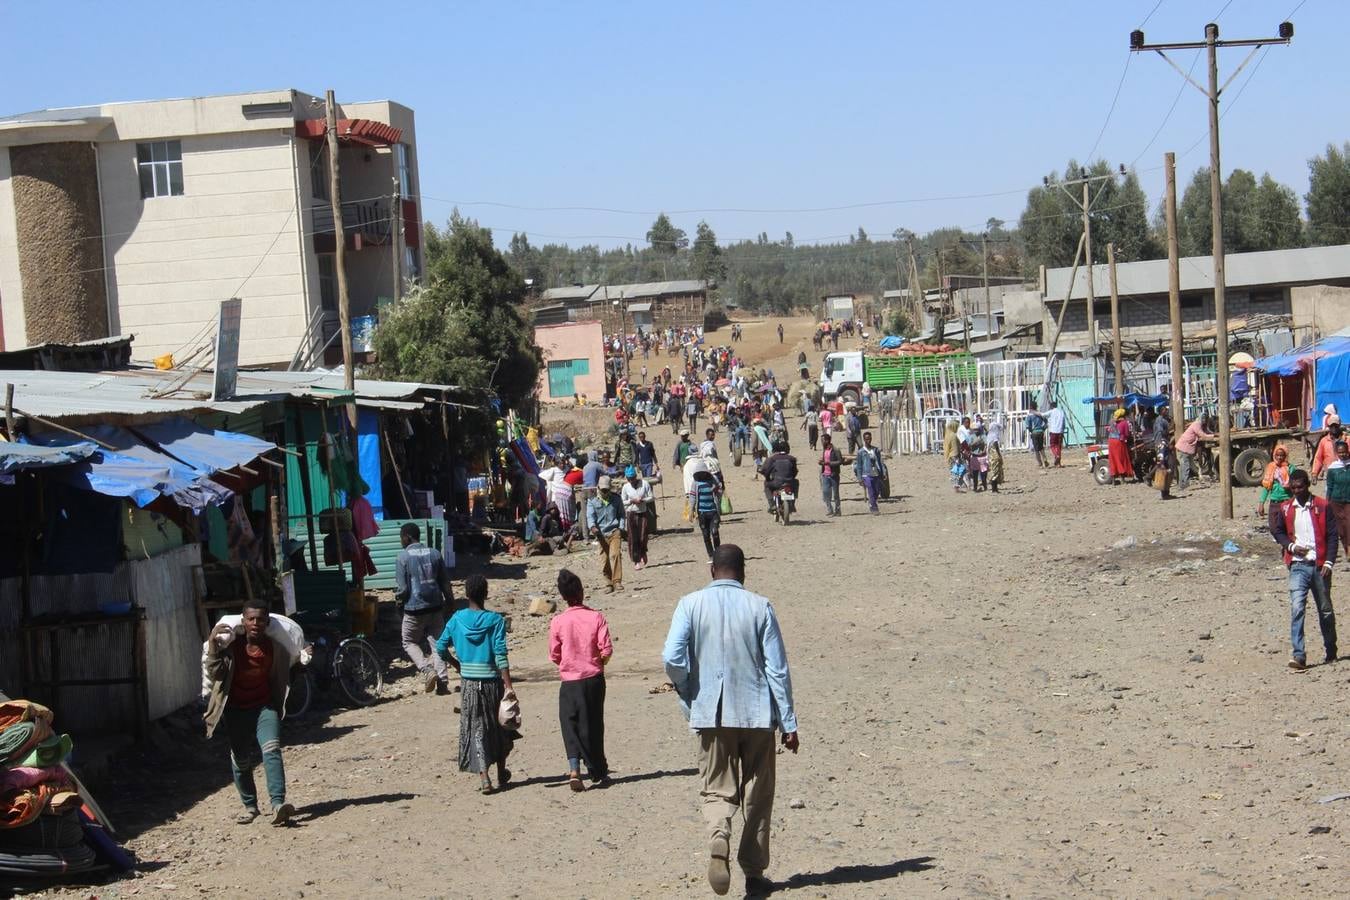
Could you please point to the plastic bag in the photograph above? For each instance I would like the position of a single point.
(508, 712)
(725, 505)
(687, 514)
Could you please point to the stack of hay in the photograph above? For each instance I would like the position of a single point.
(40, 830)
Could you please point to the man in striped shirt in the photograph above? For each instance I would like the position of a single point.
(705, 501)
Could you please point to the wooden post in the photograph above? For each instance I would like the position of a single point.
(1115, 323)
(396, 235)
(9, 413)
(306, 486)
(1220, 305)
(339, 261)
(1174, 293)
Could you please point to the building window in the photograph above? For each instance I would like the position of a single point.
(410, 264)
(405, 180)
(1274, 295)
(1192, 301)
(328, 282)
(160, 164)
(318, 170)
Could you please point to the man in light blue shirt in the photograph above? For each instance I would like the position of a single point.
(726, 658)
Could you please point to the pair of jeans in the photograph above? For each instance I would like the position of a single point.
(710, 524)
(637, 536)
(418, 633)
(1186, 463)
(1304, 577)
(871, 483)
(611, 558)
(250, 731)
(829, 489)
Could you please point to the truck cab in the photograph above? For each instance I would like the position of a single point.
(842, 375)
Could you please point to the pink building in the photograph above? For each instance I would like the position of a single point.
(574, 361)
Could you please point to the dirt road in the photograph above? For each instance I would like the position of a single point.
(993, 702)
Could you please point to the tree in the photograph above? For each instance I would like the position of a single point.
(899, 324)
(1053, 221)
(1328, 196)
(463, 326)
(708, 263)
(1257, 215)
(665, 238)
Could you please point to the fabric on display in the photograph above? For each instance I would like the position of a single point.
(51, 752)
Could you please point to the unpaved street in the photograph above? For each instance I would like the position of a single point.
(993, 702)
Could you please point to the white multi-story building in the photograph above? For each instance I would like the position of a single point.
(139, 218)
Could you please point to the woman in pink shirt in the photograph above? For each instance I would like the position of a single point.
(579, 643)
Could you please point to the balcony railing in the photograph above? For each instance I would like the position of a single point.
(368, 218)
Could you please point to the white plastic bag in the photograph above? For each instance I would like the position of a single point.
(283, 630)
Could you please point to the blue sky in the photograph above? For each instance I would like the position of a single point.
(782, 109)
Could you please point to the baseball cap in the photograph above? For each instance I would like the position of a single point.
(684, 432)
(629, 472)
(602, 482)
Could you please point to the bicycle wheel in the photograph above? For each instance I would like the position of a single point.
(300, 696)
(359, 671)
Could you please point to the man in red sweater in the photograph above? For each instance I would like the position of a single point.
(1306, 530)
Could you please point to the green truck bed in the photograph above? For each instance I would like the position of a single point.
(885, 373)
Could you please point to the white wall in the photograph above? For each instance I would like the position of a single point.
(231, 233)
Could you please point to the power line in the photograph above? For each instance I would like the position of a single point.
(1114, 99)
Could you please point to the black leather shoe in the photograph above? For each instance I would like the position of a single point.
(759, 886)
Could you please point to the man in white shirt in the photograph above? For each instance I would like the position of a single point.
(709, 447)
(637, 498)
(1055, 425)
(1305, 528)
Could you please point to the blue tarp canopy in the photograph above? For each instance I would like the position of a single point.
(1329, 358)
(142, 474)
(1132, 399)
(891, 342)
(1294, 361)
(16, 457)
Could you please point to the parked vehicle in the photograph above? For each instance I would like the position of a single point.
(351, 663)
(845, 371)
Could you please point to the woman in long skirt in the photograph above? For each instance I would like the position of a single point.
(479, 640)
(1118, 448)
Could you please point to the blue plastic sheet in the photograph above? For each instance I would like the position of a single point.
(1333, 385)
(1132, 399)
(203, 449)
(891, 342)
(17, 457)
(1296, 360)
(368, 458)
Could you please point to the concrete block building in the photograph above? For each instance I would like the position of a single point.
(141, 217)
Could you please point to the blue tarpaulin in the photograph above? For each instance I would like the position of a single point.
(16, 457)
(368, 458)
(141, 473)
(1330, 360)
(891, 342)
(1295, 361)
(1132, 399)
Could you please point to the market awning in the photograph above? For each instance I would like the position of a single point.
(1295, 361)
(16, 457)
(1131, 399)
(173, 459)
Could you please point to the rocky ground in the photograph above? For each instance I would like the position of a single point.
(1064, 689)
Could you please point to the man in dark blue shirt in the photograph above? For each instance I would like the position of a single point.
(423, 589)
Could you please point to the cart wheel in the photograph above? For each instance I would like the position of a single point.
(300, 696)
(1101, 473)
(359, 672)
(1250, 466)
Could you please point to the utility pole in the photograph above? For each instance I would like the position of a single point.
(339, 260)
(1174, 292)
(1085, 204)
(988, 307)
(396, 239)
(1211, 45)
(1116, 361)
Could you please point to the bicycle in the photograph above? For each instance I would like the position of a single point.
(350, 661)
(739, 440)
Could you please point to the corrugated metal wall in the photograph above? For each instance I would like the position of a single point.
(97, 650)
(384, 547)
(163, 588)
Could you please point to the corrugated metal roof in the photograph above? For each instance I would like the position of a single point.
(575, 292)
(640, 307)
(65, 396)
(652, 289)
(1303, 265)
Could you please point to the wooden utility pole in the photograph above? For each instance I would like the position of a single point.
(988, 307)
(340, 259)
(1211, 46)
(1174, 292)
(1087, 264)
(396, 238)
(1220, 303)
(1116, 355)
